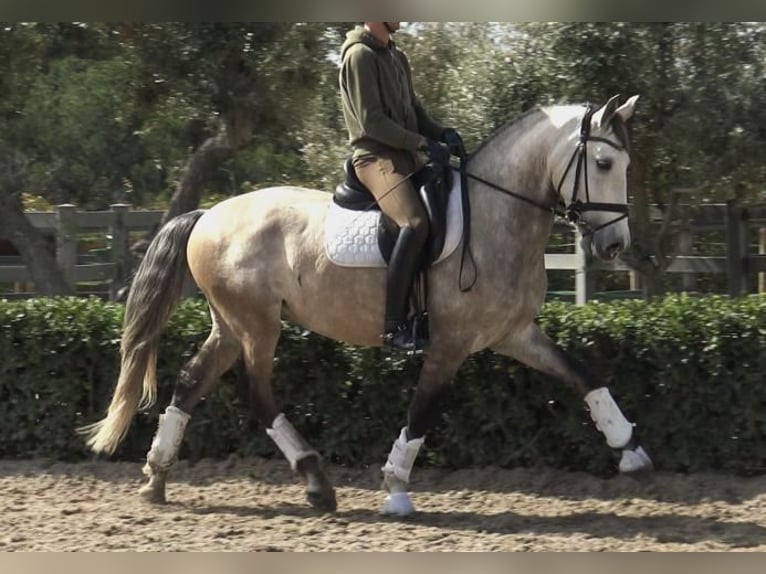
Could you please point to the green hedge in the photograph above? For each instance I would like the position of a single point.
(690, 371)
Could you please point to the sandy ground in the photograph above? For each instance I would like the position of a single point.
(258, 505)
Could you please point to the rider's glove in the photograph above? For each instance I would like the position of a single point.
(437, 153)
(454, 142)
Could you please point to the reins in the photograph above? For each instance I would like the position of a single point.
(515, 195)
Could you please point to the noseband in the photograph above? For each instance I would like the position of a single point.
(573, 212)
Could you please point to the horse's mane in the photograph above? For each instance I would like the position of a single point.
(515, 124)
(521, 122)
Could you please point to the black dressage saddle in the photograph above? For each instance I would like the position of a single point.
(433, 182)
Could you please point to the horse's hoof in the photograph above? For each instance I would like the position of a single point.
(635, 462)
(152, 495)
(398, 504)
(322, 500)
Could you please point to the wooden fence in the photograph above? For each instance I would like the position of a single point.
(108, 270)
(743, 257)
(68, 226)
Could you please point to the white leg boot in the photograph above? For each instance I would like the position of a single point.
(289, 441)
(617, 430)
(396, 474)
(170, 431)
(163, 453)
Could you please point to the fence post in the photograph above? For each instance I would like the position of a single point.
(583, 279)
(762, 251)
(736, 248)
(120, 248)
(685, 242)
(66, 240)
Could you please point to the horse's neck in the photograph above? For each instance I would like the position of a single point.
(520, 168)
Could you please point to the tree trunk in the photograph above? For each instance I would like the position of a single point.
(48, 278)
(638, 257)
(237, 109)
(234, 133)
(205, 160)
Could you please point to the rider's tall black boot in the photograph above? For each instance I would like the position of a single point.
(399, 332)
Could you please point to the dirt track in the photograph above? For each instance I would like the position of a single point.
(258, 505)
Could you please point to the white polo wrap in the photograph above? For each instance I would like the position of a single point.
(289, 441)
(609, 418)
(402, 456)
(167, 440)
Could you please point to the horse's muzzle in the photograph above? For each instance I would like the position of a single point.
(605, 245)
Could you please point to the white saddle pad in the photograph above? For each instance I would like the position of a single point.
(351, 237)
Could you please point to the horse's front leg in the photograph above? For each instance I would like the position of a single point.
(534, 348)
(438, 368)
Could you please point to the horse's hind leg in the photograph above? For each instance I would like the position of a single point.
(532, 347)
(196, 378)
(259, 347)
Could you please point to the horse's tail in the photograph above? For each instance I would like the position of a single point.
(154, 295)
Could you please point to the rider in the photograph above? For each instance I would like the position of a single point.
(387, 127)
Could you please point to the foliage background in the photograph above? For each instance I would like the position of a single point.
(688, 371)
(98, 112)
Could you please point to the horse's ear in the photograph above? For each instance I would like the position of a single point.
(625, 111)
(604, 114)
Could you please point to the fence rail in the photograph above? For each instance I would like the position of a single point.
(739, 262)
(68, 225)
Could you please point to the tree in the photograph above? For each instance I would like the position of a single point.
(700, 85)
(22, 57)
(31, 244)
(241, 82)
(97, 113)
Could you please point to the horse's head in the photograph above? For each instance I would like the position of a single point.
(590, 168)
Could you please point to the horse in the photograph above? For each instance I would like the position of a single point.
(258, 258)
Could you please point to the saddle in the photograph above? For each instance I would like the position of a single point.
(433, 183)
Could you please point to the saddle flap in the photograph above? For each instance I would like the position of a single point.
(434, 193)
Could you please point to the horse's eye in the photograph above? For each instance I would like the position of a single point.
(604, 163)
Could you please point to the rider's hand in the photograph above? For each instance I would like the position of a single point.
(437, 153)
(454, 142)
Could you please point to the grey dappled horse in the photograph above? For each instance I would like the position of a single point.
(260, 257)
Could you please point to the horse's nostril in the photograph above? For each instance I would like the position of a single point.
(615, 249)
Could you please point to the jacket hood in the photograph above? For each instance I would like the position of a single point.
(361, 36)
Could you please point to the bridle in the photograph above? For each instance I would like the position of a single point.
(573, 212)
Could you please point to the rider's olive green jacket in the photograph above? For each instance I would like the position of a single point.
(379, 104)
